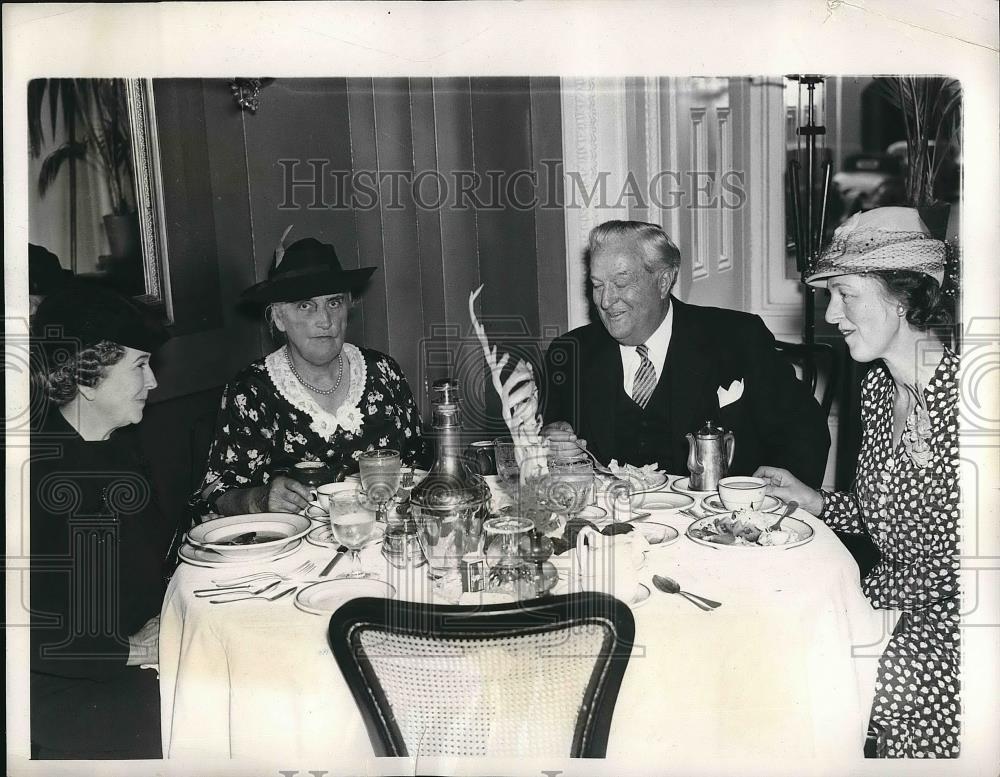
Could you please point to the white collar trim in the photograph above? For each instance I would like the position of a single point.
(347, 417)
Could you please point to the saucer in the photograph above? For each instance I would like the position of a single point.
(683, 485)
(658, 535)
(322, 536)
(713, 502)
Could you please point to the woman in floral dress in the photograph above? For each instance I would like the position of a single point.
(884, 274)
(316, 398)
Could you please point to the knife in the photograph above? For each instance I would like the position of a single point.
(333, 562)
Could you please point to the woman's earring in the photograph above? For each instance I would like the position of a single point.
(900, 310)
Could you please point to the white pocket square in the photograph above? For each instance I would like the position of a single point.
(729, 395)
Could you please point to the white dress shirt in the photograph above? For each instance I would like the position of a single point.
(657, 345)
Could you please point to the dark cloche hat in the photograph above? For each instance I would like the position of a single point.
(84, 314)
(307, 268)
(45, 273)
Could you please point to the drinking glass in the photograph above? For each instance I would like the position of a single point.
(507, 468)
(380, 474)
(352, 528)
(570, 486)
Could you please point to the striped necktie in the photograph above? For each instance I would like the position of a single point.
(645, 378)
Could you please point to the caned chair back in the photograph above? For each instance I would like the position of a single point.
(512, 680)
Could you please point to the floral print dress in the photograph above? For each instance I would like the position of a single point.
(268, 421)
(909, 505)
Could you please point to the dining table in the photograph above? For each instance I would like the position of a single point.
(778, 679)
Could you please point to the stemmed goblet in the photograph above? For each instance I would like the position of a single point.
(352, 526)
(380, 474)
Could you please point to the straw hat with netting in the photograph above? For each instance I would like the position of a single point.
(883, 239)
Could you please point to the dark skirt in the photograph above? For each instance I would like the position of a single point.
(85, 719)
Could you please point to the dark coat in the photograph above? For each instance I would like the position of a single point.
(776, 421)
(97, 564)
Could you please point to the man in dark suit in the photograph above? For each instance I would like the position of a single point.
(654, 369)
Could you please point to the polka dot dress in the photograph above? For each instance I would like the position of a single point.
(909, 506)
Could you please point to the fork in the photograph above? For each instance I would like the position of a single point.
(598, 467)
(273, 598)
(302, 569)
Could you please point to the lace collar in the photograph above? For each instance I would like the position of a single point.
(347, 417)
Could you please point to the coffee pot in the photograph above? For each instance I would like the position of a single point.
(710, 454)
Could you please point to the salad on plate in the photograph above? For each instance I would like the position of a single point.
(642, 478)
(742, 527)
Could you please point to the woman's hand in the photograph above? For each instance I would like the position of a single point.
(784, 485)
(563, 442)
(144, 645)
(285, 495)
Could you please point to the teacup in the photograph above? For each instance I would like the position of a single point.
(742, 492)
(327, 491)
(610, 564)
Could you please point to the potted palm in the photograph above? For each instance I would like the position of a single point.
(95, 114)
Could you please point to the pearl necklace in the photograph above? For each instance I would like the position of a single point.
(326, 392)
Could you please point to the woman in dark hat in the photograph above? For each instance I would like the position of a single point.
(98, 541)
(316, 398)
(884, 272)
(45, 275)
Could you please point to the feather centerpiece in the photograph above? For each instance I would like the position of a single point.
(545, 498)
(519, 403)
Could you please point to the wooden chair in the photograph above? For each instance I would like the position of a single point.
(510, 680)
(812, 360)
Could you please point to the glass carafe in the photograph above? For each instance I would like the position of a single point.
(449, 505)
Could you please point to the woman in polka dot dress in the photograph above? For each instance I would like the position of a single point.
(884, 274)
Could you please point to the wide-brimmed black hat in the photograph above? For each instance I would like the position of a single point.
(307, 268)
(84, 314)
(45, 273)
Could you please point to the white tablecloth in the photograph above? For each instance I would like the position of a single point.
(780, 676)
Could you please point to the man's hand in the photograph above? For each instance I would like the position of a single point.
(144, 645)
(563, 442)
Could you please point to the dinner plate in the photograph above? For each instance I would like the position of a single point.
(324, 597)
(683, 486)
(658, 535)
(202, 557)
(663, 501)
(801, 530)
(652, 482)
(713, 502)
(322, 536)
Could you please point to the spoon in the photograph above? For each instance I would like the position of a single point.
(790, 508)
(670, 586)
(247, 538)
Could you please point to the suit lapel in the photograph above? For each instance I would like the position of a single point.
(688, 368)
(602, 376)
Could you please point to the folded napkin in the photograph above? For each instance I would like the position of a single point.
(729, 395)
